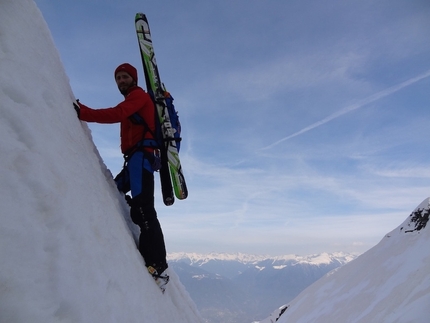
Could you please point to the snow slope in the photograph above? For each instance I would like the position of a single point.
(389, 283)
(67, 252)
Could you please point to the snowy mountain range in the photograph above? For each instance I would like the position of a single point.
(243, 287)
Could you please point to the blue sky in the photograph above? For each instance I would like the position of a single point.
(305, 123)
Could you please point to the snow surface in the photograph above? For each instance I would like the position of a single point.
(390, 283)
(67, 250)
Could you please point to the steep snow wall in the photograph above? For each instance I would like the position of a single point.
(388, 283)
(66, 249)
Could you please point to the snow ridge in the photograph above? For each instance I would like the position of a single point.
(388, 283)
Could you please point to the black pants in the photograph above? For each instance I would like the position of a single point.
(151, 240)
(142, 212)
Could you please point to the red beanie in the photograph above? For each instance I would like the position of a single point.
(129, 69)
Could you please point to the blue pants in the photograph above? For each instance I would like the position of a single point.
(131, 178)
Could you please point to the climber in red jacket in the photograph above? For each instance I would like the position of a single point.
(138, 146)
(136, 101)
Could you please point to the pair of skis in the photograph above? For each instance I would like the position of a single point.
(171, 176)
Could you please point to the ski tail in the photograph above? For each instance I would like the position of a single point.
(165, 179)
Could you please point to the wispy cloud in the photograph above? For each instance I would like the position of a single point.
(290, 72)
(359, 104)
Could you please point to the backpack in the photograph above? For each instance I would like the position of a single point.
(174, 119)
(159, 141)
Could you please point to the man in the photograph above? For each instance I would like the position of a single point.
(139, 149)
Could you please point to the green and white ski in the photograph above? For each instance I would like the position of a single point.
(171, 175)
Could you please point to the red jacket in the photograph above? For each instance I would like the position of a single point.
(137, 100)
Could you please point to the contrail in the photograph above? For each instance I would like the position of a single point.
(355, 106)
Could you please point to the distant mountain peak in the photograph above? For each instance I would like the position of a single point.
(204, 258)
(249, 259)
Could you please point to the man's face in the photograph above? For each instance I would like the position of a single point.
(124, 81)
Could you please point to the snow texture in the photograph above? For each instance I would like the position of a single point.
(389, 283)
(67, 250)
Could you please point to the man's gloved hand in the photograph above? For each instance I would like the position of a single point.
(76, 107)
